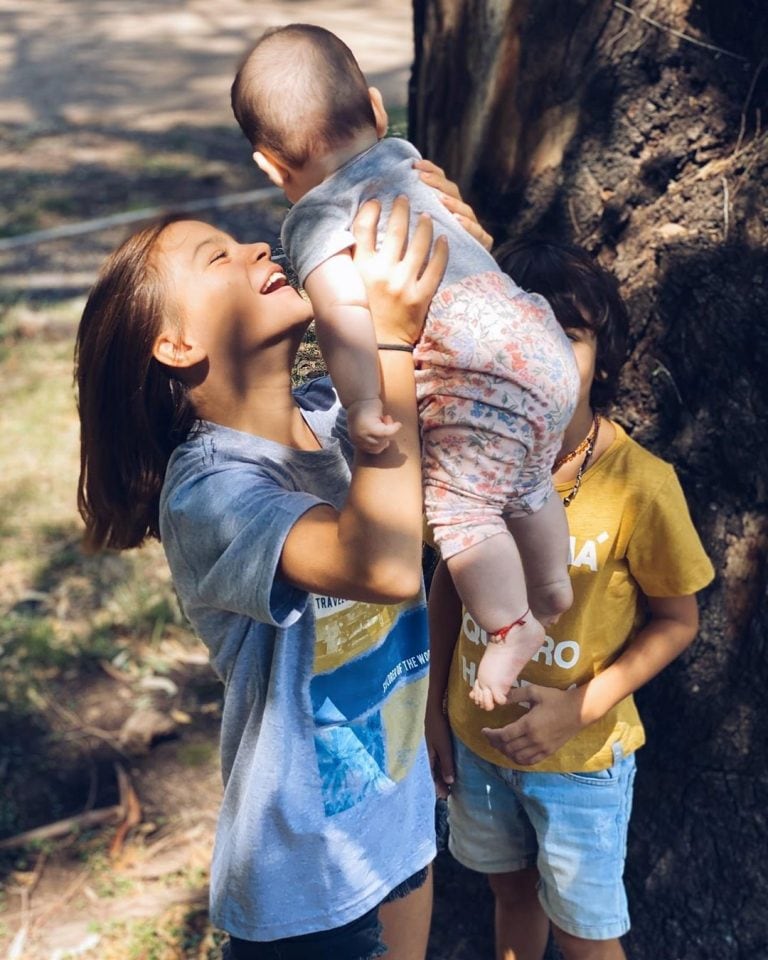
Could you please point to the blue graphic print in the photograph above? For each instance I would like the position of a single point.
(354, 734)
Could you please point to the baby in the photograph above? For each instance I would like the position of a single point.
(496, 379)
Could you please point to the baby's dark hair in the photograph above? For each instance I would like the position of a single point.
(300, 92)
(582, 295)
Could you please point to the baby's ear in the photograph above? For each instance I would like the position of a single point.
(379, 111)
(271, 166)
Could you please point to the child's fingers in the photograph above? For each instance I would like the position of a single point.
(523, 696)
(430, 279)
(419, 245)
(474, 229)
(506, 739)
(393, 243)
(447, 770)
(434, 176)
(455, 205)
(428, 166)
(388, 429)
(364, 226)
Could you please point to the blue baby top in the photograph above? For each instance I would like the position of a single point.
(328, 800)
(318, 226)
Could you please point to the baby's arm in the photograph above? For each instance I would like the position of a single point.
(348, 344)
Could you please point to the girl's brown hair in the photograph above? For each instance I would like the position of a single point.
(133, 410)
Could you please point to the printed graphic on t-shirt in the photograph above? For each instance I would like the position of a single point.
(370, 681)
(559, 656)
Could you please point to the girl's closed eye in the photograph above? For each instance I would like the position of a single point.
(218, 255)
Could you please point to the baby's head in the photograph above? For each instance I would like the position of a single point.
(300, 95)
(582, 295)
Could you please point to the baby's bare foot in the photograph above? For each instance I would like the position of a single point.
(503, 660)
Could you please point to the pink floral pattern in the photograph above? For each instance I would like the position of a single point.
(497, 384)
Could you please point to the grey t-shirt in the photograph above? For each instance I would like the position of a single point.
(319, 225)
(328, 801)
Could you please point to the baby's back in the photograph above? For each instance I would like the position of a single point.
(318, 226)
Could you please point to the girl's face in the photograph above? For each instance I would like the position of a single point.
(233, 298)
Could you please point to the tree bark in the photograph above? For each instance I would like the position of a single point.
(636, 130)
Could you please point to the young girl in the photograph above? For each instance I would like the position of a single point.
(302, 579)
(539, 798)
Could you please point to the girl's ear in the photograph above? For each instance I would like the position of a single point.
(379, 112)
(174, 351)
(269, 164)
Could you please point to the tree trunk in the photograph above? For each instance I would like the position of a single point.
(635, 129)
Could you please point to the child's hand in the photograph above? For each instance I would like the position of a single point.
(369, 428)
(403, 275)
(554, 718)
(449, 195)
(440, 750)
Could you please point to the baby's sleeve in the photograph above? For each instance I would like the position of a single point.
(315, 229)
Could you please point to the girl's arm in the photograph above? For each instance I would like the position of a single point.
(555, 716)
(444, 626)
(371, 549)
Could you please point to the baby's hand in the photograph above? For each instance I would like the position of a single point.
(369, 429)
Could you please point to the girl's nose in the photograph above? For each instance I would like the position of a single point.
(259, 251)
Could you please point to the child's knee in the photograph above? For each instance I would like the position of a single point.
(550, 601)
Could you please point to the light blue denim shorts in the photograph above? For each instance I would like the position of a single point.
(571, 826)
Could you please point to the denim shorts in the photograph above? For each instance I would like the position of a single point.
(358, 940)
(571, 826)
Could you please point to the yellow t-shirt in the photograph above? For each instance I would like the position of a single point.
(630, 535)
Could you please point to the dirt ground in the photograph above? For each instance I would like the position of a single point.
(108, 108)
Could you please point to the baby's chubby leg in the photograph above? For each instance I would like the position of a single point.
(490, 581)
(542, 539)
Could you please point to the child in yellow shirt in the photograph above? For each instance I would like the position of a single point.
(540, 793)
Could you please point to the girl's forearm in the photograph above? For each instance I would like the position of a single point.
(661, 641)
(380, 523)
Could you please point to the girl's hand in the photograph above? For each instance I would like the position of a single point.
(554, 718)
(449, 195)
(402, 276)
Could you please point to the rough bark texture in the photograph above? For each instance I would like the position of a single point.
(584, 119)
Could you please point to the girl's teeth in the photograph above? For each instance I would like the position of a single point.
(275, 278)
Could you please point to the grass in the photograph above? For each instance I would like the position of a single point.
(180, 933)
(61, 611)
(42, 566)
